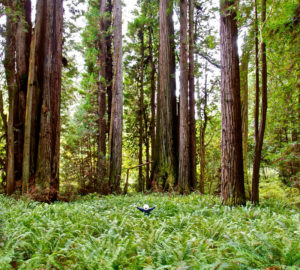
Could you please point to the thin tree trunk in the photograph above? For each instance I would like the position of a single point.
(183, 175)
(192, 139)
(153, 90)
(148, 182)
(141, 112)
(256, 106)
(9, 64)
(115, 135)
(264, 102)
(109, 64)
(202, 136)
(165, 162)
(102, 84)
(244, 102)
(232, 188)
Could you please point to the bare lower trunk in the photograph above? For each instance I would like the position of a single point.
(115, 135)
(232, 188)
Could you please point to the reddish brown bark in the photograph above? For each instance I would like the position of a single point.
(9, 65)
(165, 162)
(232, 188)
(42, 120)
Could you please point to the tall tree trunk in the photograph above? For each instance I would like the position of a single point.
(42, 119)
(115, 135)
(141, 112)
(153, 90)
(259, 143)
(183, 175)
(256, 107)
(165, 161)
(109, 63)
(232, 188)
(192, 139)
(23, 38)
(102, 85)
(9, 64)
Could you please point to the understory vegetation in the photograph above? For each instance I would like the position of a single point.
(184, 232)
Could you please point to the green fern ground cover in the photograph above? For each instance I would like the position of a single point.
(184, 232)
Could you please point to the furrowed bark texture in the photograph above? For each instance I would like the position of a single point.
(264, 102)
(232, 188)
(42, 120)
(192, 130)
(183, 173)
(115, 136)
(165, 163)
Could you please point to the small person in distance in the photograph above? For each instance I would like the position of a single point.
(146, 209)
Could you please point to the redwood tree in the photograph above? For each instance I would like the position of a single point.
(42, 119)
(165, 160)
(232, 188)
(9, 64)
(183, 173)
(104, 82)
(115, 135)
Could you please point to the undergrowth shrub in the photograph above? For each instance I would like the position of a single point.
(184, 232)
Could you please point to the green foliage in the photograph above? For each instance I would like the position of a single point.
(184, 232)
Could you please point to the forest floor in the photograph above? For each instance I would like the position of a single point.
(183, 232)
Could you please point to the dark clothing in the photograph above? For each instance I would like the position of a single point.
(147, 212)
